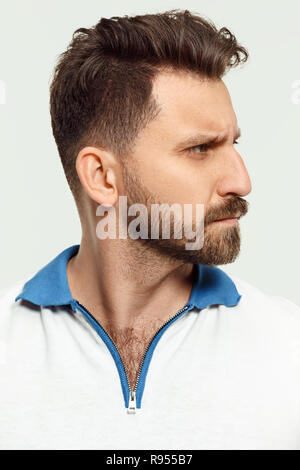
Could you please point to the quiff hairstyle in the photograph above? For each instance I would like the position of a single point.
(101, 90)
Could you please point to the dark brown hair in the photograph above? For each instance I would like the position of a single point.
(100, 93)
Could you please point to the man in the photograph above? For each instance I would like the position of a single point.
(137, 342)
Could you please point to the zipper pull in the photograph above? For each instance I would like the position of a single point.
(132, 403)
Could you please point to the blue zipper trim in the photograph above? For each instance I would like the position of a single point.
(116, 356)
(145, 367)
(112, 349)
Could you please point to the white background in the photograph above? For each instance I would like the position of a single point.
(38, 215)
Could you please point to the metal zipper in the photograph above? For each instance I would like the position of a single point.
(132, 401)
(132, 393)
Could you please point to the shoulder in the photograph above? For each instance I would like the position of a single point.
(255, 293)
(265, 307)
(9, 293)
(8, 306)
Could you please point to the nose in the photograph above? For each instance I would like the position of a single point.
(234, 178)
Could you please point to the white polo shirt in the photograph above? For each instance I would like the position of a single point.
(224, 373)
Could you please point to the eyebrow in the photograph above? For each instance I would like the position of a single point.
(201, 138)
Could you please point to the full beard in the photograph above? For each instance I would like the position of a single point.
(221, 242)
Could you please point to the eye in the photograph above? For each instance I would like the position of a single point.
(202, 147)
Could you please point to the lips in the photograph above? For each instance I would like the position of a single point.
(226, 218)
(234, 216)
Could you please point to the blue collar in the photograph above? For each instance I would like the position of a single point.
(49, 286)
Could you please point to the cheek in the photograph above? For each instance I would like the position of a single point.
(179, 181)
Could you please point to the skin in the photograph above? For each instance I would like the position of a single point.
(130, 286)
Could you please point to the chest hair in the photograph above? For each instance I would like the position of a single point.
(132, 344)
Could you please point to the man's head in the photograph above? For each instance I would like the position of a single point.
(139, 108)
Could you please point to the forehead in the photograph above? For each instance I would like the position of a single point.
(190, 103)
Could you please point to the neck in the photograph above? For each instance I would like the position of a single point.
(123, 284)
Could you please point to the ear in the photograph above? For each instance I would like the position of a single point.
(96, 169)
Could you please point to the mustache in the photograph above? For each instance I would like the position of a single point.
(232, 207)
